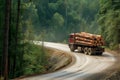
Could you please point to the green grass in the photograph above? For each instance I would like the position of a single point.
(35, 59)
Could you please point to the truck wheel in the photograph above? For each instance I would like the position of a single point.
(82, 50)
(72, 47)
(86, 50)
(100, 53)
(89, 51)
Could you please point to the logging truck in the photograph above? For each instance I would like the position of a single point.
(86, 43)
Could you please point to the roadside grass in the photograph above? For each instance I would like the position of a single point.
(41, 60)
(35, 59)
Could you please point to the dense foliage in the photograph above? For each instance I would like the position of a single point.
(109, 20)
(23, 56)
(61, 17)
(53, 20)
(35, 60)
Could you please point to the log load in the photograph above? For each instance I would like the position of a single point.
(89, 39)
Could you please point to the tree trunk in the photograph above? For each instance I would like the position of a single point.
(16, 36)
(6, 38)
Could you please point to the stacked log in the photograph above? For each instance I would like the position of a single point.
(89, 39)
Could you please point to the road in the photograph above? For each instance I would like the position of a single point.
(84, 66)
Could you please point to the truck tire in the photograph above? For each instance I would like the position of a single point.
(72, 47)
(82, 50)
(86, 50)
(90, 51)
(100, 53)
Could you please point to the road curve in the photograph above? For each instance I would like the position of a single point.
(84, 66)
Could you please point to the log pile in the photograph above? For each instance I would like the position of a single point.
(89, 39)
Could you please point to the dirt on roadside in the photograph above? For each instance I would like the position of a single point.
(58, 59)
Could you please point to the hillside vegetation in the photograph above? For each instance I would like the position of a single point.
(22, 21)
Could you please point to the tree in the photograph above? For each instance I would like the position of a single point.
(109, 18)
(6, 38)
(2, 10)
(16, 37)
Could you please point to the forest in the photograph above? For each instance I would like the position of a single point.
(23, 21)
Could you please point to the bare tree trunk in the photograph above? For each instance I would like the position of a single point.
(6, 38)
(16, 36)
(17, 23)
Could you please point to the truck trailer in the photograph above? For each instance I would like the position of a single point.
(86, 43)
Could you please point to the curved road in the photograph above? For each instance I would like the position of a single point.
(83, 68)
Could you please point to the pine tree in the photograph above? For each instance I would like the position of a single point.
(109, 19)
(6, 38)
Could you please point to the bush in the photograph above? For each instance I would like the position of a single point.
(35, 59)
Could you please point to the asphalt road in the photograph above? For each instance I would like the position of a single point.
(84, 66)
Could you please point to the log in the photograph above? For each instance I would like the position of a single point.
(89, 39)
(83, 42)
(85, 36)
(84, 39)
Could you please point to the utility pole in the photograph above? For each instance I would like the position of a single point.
(6, 37)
